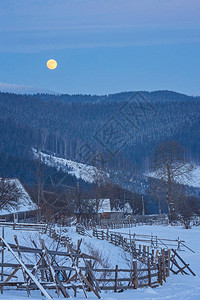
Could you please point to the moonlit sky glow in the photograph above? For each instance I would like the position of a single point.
(101, 46)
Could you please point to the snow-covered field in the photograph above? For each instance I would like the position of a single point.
(181, 287)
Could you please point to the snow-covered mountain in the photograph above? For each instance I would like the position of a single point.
(22, 89)
(79, 170)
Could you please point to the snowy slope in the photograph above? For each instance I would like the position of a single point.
(22, 89)
(192, 179)
(79, 170)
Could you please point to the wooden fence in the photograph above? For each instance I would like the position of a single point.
(48, 273)
(59, 235)
(70, 269)
(136, 277)
(25, 226)
(127, 239)
(131, 221)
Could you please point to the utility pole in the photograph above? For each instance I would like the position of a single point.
(123, 201)
(143, 212)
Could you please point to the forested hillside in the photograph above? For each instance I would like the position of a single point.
(62, 124)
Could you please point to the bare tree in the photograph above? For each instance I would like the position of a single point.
(187, 207)
(9, 193)
(156, 189)
(35, 190)
(170, 167)
(99, 181)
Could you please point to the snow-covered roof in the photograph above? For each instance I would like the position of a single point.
(24, 202)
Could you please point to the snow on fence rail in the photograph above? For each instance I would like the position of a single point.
(24, 226)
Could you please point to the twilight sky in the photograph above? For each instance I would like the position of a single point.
(101, 46)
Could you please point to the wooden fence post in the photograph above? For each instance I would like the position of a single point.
(144, 253)
(135, 280)
(163, 265)
(152, 256)
(149, 272)
(159, 270)
(115, 287)
(168, 264)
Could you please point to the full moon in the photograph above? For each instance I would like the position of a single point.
(52, 64)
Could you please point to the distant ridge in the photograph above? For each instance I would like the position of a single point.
(51, 96)
(48, 95)
(22, 89)
(154, 96)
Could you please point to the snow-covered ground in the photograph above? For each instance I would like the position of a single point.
(183, 287)
(177, 287)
